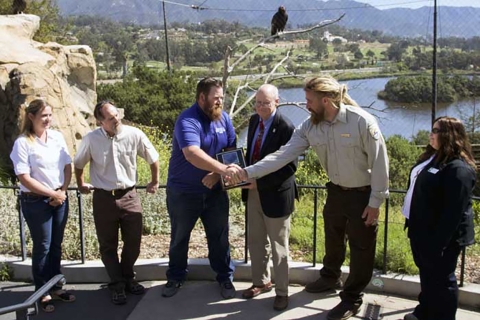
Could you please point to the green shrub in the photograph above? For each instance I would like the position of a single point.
(402, 156)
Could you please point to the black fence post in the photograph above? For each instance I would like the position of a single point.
(80, 221)
(21, 221)
(462, 267)
(385, 237)
(315, 213)
(246, 235)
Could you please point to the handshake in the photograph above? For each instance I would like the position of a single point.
(234, 175)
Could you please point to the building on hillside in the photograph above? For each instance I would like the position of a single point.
(328, 37)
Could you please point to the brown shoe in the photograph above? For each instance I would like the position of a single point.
(322, 285)
(280, 303)
(254, 290)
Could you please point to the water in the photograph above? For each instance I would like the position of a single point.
(393, 118)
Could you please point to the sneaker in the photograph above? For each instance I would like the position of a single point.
(320, 285)
(227, 290)
(344, 310)
(134, 287)
(171, 288)
(118, 296)
(410, 316)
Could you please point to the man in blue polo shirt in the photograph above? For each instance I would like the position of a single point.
(193, 188)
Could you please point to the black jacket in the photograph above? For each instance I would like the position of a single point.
(278, 189)
(441, 208)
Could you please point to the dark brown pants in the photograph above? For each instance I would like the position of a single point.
(343, 221)
(110, 213)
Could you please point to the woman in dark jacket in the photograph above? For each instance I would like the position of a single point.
(438, 207)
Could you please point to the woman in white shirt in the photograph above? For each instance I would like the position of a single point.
(43, 166)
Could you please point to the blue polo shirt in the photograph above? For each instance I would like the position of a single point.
(194, 128)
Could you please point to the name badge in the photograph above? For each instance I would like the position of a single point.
(345, 135)
(433, 170)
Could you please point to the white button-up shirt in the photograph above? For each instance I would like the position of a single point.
(44, 162)
(113, 160)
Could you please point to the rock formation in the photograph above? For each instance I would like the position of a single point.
(64, 75)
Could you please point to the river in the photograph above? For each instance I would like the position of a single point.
(393, 118)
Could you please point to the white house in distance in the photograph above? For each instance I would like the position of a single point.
(327, 36)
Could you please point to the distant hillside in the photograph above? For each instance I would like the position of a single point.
(453, 21)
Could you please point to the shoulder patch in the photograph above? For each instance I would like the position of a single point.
(374, 131)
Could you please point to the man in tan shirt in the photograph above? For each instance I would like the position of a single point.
(352, 151)
(112, 152)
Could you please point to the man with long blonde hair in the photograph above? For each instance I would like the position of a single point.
(352, 151)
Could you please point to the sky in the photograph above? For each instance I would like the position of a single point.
(387, 4)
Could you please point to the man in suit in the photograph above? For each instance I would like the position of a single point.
(270, 200)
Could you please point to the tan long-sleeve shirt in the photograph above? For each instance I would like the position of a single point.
(351, 149)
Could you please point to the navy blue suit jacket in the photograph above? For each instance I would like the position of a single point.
(278, 189)
(441, 208)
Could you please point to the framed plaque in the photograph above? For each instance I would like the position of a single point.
(232, 156)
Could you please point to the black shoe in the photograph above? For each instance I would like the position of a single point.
(118, 296)
(134, 287)
(343, 311)
(227, 290)
(171, 288)
(320, 285)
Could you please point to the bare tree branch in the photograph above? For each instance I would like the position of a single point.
(227, 69)
(276, 67)
(237, 92)
(317, 26)
(243, 106)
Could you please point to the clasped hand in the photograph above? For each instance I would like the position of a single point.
(234, 174)
(58, 199)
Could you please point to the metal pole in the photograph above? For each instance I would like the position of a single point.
(385, 237)
(166, 38)
(246, 234)
(434, 67)
(462, 268)
(22, 229)
(315, 214)
(80, 222)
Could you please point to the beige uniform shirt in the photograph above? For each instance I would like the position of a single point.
(113, 160)
(351, 149)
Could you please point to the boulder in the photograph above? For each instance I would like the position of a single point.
(63, 75)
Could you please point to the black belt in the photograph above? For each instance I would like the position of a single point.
(361, 189)
(32, 195)
(116, 192)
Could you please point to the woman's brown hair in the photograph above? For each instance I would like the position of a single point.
(36, 106)
(453, 143)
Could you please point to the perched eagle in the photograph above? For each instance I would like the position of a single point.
(19, 6)
(279, 20)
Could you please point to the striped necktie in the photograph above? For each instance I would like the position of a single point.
(258, 143)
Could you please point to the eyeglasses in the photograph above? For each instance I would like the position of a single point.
(436, 130)
(262, 104)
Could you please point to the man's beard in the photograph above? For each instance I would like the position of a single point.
(214, 111)
(118, 128)
(316, 118)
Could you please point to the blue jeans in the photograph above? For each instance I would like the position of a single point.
(47, 225)
(184, 210)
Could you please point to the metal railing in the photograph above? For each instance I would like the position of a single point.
(314, 240)
(21, 309)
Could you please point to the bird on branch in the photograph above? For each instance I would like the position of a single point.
(19, 6)
(279, 20)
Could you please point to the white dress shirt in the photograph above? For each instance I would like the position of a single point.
(113, 160)
(413, 178)
(44, 162)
